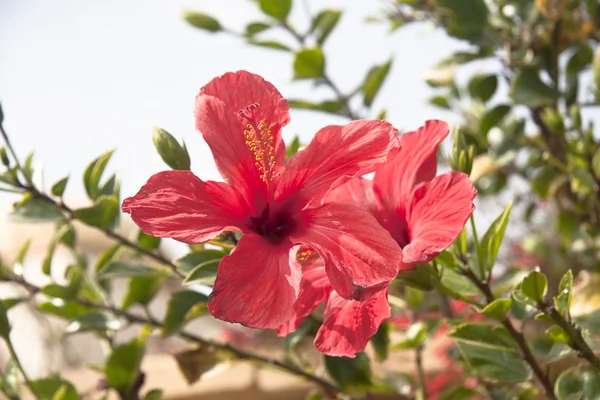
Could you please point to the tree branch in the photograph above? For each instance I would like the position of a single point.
(528, 356)
(328, 387)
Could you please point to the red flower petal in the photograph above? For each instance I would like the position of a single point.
(257, 284)
(414, 163)
(178, 205)
(360, 256)
(438, 214)
(348, 324)
(314, 288)
(336, 154)
(217, 117)
(357, 192)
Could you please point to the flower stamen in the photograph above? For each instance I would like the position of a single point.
(260, 142)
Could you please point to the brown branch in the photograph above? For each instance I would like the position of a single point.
(331, 389)
(528, 356)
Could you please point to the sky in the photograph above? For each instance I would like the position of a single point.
(82, 77)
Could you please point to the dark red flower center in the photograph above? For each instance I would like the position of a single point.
(273, 225)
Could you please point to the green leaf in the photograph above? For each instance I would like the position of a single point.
(483, 87)
(191, 260)
(484, 335)
(155, 394)
(278, 9)
(529, 90)
(28, 167)
(374, 80)
(142, 290)
(127, 269)
(54, 388)
(201, 21)
(58, 189)
(490, 243)
(254, 28)
(562, 302)
(10, 380)
(204, 273)
(123, 365)
(459, 393)
(64, 309)
(493, 117)
(467, 18)
(179, 306)
(4, 324)
(59, 291)
(292, 339)
(350, 373)
(11, 302)
(497, 309)
(1, 115)
(323, 23)
(172, 153)
(535, 286)
(328, 106)
(292, 148)
(271, 44)
(581, 59)
(381, 341)
(495, 364)
(147, 241)
(557, 334)
(102, 214)
(309, 64)
(31, 209)
(93, 174)
(414, 337)
(591, 385)
(195, 363)
(569, 384)
(95, 321)
(423, 277)
(596, 163)
(440, 101)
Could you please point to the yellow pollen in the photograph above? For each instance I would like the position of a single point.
(261, 145)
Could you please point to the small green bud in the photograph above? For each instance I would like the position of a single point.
(173, 154)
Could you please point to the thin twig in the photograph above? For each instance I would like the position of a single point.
(330, 388)
(577, 342)
(516, 335)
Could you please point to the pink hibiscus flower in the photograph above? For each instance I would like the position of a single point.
(423, 212)
(275, 204)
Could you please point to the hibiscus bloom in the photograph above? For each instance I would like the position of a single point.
(423, 212)
(276, 205)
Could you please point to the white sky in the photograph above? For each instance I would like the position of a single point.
(80, 77)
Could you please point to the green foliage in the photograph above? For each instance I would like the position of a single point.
(196, 362)
(278, 9)
(309, 64)
(183, 306)
(123, 366)
(529, 89)
(374, 80)
(101, 214)
(497, 309)
(93, 174)
(4, 323)
(142, 290)
(323, 24)
(201, 21)
(350, 373)
(175, 155)
(490, 243)
(535, 286)
(54, 388)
